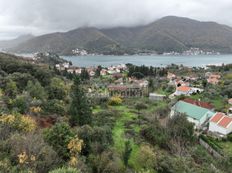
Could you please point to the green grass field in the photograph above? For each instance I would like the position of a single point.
(128, 114)
(120, 138)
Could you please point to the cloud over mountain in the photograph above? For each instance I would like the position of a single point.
(43, 16)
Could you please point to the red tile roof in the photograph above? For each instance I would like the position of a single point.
(221, 119)
(198, 103)
(183, 88)
(217, 117)
(225, 121)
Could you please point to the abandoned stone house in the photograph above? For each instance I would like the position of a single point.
(127, 91)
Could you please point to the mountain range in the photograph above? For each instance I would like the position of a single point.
(5, 44)
(167, 34)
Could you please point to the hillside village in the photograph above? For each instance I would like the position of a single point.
(202, 114)
(124, 118)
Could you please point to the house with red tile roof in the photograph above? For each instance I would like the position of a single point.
(186, 90)
(197, 115)
(199, 103)
(183, 90)
(220, 124)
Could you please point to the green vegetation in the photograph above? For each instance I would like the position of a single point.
(79, 110)
(49, 124)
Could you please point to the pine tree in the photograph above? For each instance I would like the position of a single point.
(84, 75)
(79, 110)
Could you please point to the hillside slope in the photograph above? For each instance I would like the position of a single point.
(4, 44)
(167, 34)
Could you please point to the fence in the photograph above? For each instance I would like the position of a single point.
(210, 149)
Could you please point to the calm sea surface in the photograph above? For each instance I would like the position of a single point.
(156, 60)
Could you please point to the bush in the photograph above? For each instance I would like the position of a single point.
(156, 135)
(105, 118)
(21, 103)
(18, 122)
(57, 89)
(65, 170)
(96, 139)
(162, 111)
(107, 161)
(229, 137)
(55, 107)
(140, 106)
(31, 152)
(146, 157)
(36, 90)
(114, 101)
(59, 137)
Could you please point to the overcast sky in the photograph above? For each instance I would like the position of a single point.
(37, 17)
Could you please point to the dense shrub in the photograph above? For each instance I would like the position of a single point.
(21, 103)
(54, 106)
(65, 170)
(58, 137)
(114, 101)
(140, 106)
(18, 122)
(156, 135)
(31, 152)
(106, 162)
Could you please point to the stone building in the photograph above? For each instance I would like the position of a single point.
(127, 91)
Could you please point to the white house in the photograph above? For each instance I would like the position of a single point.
(196, 114)
(183, 90)
(141, 83)
(220, 124)
(66, 65)
(156, 97)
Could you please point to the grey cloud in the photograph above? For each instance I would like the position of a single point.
(44, 16)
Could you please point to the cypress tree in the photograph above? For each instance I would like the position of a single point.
(80, 112)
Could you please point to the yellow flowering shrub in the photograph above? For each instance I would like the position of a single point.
(20, 122)
(73, 161)
(22, 157)
(33, 158)
(75, 147)
(7, 119)
(115, 101)
(27, 124)
(35, 109)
